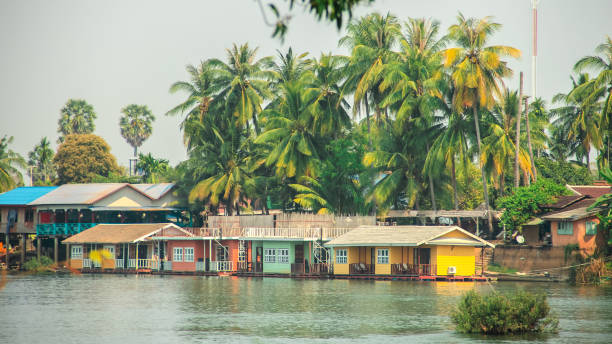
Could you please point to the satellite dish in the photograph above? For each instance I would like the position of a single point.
(520, 239)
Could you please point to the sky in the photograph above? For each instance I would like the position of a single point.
(118, 52)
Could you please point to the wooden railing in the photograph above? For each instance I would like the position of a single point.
(413, 269)
(361, 269)
(298, 268)
(244, 267)
(319, 268)
(269, 232)
(222, 266)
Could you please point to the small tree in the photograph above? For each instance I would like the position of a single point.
(41, 159)
(527, 201)
(10, 161)
(82, 157)
(151, 167)
(136, 125)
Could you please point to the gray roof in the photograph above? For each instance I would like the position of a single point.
(154, 191)
(78, 193)
(572, 215)
(405, 236)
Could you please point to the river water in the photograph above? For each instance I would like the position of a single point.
(184, 309)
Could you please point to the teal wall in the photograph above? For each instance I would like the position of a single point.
(279, 268)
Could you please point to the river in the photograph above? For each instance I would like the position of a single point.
(184, 309)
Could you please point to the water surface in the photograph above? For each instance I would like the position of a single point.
(184, 309)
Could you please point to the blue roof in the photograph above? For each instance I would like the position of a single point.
(24, 195)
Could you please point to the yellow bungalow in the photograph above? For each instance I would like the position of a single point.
(406, 251)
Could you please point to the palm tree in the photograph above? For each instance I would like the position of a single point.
(9, 164)
(477, 72)
(41, 157)
(76, 117)
(136, 125)
(578, 116)
(151, 167)
(243, 83)
(371, 40)
(289, 129)
(599, 86)
(289, 68)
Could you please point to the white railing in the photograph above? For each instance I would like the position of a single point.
(96, 263)
(331, 233)
(294, 232)
(147, 264)
(131, 263)
(86, 263)
(199, 266)
(222, 266)
(118, 263)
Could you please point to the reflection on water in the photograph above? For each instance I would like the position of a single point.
(146, 309)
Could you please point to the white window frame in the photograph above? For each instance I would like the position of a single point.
(282, 255)
(382, 256)
(76, 252)
(341, 256)
(565, 228)
(110, 249)
(242, 251)
(269, 255)
(188, 254)
(177, 254)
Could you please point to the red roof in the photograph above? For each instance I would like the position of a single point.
(593, 191)
(564, 201)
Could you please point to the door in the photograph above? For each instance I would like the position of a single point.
(299, 254)
(258, 259)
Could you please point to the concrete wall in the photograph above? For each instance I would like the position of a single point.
(586, 242)
(527, 258)
(198, 252)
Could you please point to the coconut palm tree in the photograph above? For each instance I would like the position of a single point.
(477, 71)
(579, 115)
(601, 86)
(41, 157)
(151, 167)
(289, 68)
(9, 164)
(76, 117)
(135, 125)
(243, 83)
(289, 128)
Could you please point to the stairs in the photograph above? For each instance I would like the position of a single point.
(482, 263)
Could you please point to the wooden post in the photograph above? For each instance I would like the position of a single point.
(68, 257)
(23, 248)
(136, 256)
(55, 247)
(38, 242)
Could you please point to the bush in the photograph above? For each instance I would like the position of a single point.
(36, 264)
(496, 313)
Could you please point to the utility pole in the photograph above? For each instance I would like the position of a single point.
(534, 48)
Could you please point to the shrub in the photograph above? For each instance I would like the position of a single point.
(496, 313)
(36, 264)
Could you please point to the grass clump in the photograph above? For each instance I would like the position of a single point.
(519, 312)
(36, 265)
(494, 267)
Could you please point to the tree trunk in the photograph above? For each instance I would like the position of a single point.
(454, 181)
(533, 169)
(517, 145)
(431, 188)
(135, 151)
(367, 110)
(501, 184)
(482, 171)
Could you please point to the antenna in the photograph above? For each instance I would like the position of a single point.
(534, 49)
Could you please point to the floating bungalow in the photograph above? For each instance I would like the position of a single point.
(424, 252)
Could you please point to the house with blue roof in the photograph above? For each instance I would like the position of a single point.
(17, 216)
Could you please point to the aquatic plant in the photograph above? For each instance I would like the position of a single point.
(35, 264)
(496, 313)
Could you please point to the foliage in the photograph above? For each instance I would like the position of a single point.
(41, 161)
(76, 117)
(38, 265)
(563, 172)
(494, 267)
(527, 201)
(135, 124)
(604, 206)
(9, 164)
(80, 158)
(151, 168)
(520, 312)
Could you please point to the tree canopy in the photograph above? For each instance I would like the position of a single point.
(80, 158)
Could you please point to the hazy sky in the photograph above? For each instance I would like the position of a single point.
(114, 53)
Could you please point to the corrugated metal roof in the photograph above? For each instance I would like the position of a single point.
(593, 191)
(119, 233)
(78, 193)
(397, 236)
(154, 191)
(24, 195)
(573, 214)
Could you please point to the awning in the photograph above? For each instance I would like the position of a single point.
(133, 209)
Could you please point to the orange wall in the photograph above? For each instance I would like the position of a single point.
(198, 252)
(587, 242)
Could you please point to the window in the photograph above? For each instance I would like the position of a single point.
(382, 256)
(177, 254)
(341, 256)
(591, 228)
(29, 215)
(565, 228)
(189, 254)
(221, 253)
(76, 252)
(269, 255)
(282, 255)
